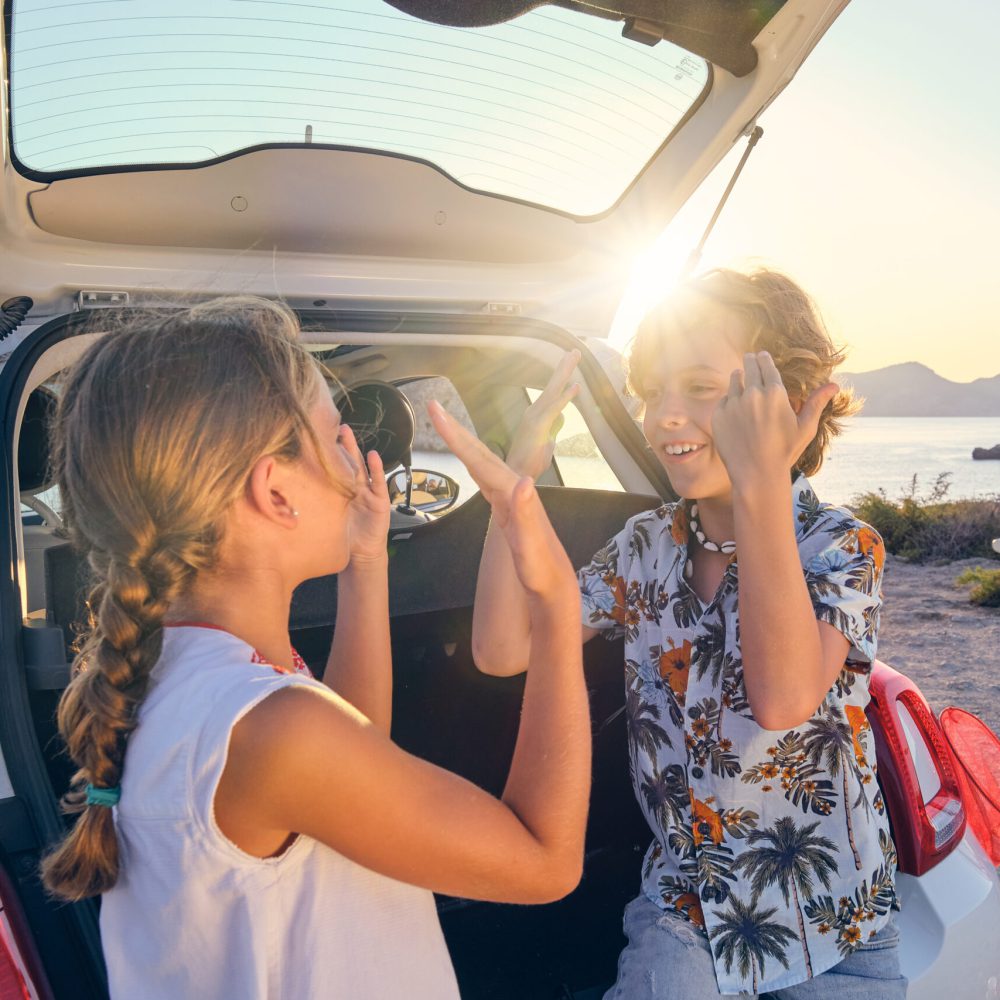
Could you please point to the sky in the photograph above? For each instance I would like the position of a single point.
(877, 186)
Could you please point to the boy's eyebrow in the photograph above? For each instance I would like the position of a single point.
(691, 369)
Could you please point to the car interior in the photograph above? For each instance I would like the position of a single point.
(444, 709)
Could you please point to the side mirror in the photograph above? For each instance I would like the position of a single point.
(430, 492)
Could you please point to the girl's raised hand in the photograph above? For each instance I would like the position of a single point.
(535, 437)
(369, 511)
(756, 430)
(541, 562)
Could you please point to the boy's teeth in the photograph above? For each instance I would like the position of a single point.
(680, 449)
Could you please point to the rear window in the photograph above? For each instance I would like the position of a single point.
(554, 108)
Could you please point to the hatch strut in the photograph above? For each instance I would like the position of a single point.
(695, 256)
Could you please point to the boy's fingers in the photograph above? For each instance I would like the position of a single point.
(812, 408)
(768, 369)
(554, 387)
(751, 372)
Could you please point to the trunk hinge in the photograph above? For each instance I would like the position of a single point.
(695, 256)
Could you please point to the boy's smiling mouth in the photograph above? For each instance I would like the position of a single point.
(682, 449)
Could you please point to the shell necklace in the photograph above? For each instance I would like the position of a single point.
(728, 548)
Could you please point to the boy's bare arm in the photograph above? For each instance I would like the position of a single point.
(501, 625)
(790, 659)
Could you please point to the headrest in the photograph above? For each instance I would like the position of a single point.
(381, 418)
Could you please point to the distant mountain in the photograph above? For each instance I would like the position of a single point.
(913, 390)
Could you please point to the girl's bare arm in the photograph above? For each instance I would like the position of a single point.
(360, 663)
(304, 761)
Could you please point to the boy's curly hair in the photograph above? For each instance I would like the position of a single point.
(778, 317)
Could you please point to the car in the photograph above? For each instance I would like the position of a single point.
(449, 195)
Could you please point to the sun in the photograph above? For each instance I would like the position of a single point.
(655, 274)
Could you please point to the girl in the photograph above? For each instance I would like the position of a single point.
(749, 612)
(255, 833)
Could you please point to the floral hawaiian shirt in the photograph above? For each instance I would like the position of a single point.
(774, 843)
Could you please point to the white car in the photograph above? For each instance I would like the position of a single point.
(439, 202)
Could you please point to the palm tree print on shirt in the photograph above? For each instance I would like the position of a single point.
(833, 743)
(645, 733)
(789, 857)
(748, 936)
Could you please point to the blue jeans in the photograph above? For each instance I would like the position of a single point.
(667, 958)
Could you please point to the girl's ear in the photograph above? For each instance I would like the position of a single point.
(267, 492)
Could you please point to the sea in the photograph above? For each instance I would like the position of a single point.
(873, 453)
(885, 453)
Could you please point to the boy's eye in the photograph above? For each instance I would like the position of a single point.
(701, 388)
(651, 393)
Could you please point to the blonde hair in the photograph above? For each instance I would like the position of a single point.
(157, 428)
(777, 316)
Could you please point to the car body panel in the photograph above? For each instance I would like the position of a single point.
(948, 924)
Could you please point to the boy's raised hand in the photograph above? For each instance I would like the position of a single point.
(535, 437)
(541, 562)
(757, 431)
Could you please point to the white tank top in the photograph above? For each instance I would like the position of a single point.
(192, 916)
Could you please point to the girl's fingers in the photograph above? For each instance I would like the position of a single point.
(487, 470)
(376, 470)
(533, 543)
(350, 442)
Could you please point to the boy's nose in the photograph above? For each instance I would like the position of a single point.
(670, 411)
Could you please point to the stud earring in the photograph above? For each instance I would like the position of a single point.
(295, 513)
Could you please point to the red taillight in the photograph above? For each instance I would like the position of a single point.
(13, 985)
(924, 832)
(21, 975)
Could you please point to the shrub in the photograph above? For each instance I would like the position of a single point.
(987, 589)
(929, 528)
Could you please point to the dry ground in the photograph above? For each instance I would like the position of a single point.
(931, 633)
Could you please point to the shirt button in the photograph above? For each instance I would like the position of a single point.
(697, 772)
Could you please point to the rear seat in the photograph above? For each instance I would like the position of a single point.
(38, 538)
